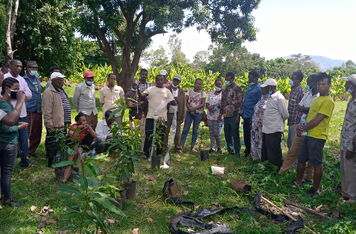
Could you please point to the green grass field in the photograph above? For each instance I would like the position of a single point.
(151, 214)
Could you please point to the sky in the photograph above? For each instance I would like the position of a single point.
(285, 27)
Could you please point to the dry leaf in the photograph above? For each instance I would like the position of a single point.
(196, 207)
(33, 208)
(149, 220)
(185, 193)
(111, 221)
(44, 211)
(135, 231)
(318, 208)
(0, 207)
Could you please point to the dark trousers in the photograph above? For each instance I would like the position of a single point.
(160, 130)
(35, 130)
(52, 147)
(271, 148)
(23, 143)
(232, 136)
(247, 135)
(8, 153)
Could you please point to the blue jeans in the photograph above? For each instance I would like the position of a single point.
(23, 143)
(232, 135)
(189, 118)
(8, 153)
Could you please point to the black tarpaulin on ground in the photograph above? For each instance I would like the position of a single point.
(194, 220)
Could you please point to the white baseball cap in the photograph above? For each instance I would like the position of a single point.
(163, 72)
(269, 82)
(177, 77)
(55, 75)
(351, 79)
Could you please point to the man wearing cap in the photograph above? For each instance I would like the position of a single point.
(273, 124)
(33, 106)
(15, 67)
(56, 114)
(166, 82)
(348, 144)
(177, 110)
(110, 93)
(84, 99)
(143, 84)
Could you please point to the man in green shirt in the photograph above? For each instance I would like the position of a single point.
(317, 129)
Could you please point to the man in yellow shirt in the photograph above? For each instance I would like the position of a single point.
(317, 129)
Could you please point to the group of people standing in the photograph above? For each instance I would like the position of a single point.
(163, 107)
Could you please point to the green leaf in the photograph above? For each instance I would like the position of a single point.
(107, 204)
(64, 164)
(68, 189)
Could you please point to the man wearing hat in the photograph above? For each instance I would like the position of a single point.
(33, 106)
(273, 123)
(177, 110)
(166, 82)
(15, 68)
(348, 144)
(56, 114)
(84, 99)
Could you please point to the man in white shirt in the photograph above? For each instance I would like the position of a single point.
(158, 98)
(15, 67)
(84, 99)
(103, 133)
(273, 124)
(110, 93)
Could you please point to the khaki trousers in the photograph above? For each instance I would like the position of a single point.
(292, 158)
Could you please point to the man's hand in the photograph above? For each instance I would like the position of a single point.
(23, 125)
(20, 96)
(350, 154)
(173, 103)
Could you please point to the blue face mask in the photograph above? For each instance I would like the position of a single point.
(89, 83)
(307, 88)
(350, 91)
(33, 73)
(270, 92)
(175, 86)
(133, 90)
(291, 82)
(227, 82)
(251, 83)
(217, 89)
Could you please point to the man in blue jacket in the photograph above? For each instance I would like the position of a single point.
(33, 105)
(252, 96)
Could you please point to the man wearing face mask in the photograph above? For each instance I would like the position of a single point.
(295, 97)
(231, 101)
(84, 99)
(34, 111)
(178, 110)
(252, 96)
(15, 68)
(273, 124)
(348, 144)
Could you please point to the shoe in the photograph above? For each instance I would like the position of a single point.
(194, 150)
(312, 192)
(219, 151)
(295, 184)
(12, 203)
(28, 166)
(211, 150)
(307, 182)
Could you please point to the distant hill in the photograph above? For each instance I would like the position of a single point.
(324, 63)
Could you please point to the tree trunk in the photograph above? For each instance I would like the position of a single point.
(11, 17)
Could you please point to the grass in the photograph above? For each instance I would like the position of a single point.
(151, 214)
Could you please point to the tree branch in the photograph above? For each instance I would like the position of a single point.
(138, 16)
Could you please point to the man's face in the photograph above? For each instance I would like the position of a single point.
(176, 82)
(159, 81)
(143, 75)
(89, 79)
(29, 69)
(348, 85)
(218, 83)
(229, 78)
(323, 87)
(15, 68)
(295, 79)
(58, 82)
(111, 80)
(251, 78)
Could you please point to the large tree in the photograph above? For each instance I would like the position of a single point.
(130, 25)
